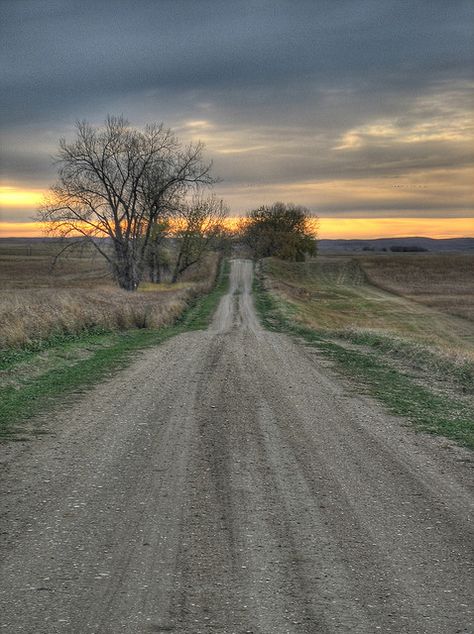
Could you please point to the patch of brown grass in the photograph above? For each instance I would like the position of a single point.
(36, 271)
(37, 302)
(442, 281)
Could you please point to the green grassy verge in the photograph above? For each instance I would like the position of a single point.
(83, 360)
(426, 410)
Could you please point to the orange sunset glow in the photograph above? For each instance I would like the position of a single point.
(328, 228)
(17, 198)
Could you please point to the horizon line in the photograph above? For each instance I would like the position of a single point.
(328, 228)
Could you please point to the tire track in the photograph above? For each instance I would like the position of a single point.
(229, 482)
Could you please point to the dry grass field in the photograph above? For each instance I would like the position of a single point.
(78, 294)
(425, 299)
(443, 282)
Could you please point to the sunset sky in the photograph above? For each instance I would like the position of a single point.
(360, 110)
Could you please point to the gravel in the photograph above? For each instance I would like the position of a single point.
(228, 481)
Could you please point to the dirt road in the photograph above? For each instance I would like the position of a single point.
(229, 482)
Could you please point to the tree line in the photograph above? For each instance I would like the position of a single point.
(132, 193)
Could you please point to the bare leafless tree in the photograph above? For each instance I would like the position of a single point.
(197, 228)
(120, 183)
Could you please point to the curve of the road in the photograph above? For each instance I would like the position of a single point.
(228, 482)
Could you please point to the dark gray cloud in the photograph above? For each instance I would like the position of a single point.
(284, 87)
(60, 55)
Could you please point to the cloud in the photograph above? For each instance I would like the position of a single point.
(67, 54)
(284, 94)
(435, 193)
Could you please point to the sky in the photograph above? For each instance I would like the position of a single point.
(361, 110)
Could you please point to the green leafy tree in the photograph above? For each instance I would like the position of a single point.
(282, 230)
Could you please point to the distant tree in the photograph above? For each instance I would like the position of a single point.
(281, 230)
(198, 228)
(411, 248)
(120, 183)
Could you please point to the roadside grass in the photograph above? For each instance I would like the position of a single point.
(37, 377)
(431, 390)
(334, 293)
(424, 364)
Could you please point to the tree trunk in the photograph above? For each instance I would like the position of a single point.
(155, 270)
(126, 278)
(154, 267)
(155, 273)
(177, 268)
(126, 270)
(174, 278)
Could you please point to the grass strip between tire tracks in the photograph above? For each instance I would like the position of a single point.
(427, 411)
(106, 352)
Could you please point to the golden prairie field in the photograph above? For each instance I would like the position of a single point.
(442, 281)
(426, 299)
(38, 301)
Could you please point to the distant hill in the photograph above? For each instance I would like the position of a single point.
(27, 240)
(385, 244)
(379, 244)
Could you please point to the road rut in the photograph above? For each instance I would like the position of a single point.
(228, 481)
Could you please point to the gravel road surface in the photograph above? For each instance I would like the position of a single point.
(228, 481)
